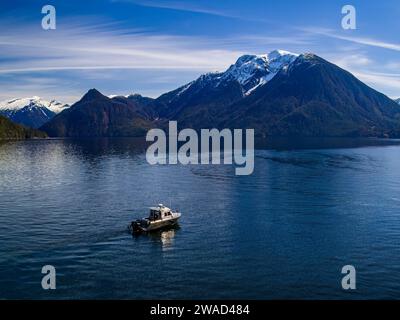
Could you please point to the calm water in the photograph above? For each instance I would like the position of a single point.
(283, 232)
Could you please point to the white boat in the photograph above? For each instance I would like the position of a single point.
(159, 217)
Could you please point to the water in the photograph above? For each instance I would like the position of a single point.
(283, 232)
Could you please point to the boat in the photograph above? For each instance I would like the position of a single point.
(160, 217)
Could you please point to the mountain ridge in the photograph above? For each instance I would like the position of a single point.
(279, 94)
(96, 115)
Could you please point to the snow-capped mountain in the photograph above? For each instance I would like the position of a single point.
(17, 104)
(397, 100)
(222, 88)
(281, 94)
(32, 112)
(252, 71)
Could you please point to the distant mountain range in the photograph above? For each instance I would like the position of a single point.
(11, 130)
(96, 115)
(32, 112)
(278, 94)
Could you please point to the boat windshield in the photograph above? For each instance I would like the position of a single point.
(155, 214)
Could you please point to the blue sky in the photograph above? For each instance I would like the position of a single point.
(150, 47)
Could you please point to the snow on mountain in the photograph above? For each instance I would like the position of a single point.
(30, 103)
(32, 112)
(251, 71)
(112, 96)
(248, 65)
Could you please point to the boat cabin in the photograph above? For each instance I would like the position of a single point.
(159, 213)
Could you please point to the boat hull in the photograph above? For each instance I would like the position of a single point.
(162, 224)
(138, 227)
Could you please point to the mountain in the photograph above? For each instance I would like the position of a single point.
(11, 130)
(32, 112)
(147, 107)
(278, 94)
(313, 97)
(397, 100)
(96, 115)
(199, 101)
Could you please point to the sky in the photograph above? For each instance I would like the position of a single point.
(150, 47)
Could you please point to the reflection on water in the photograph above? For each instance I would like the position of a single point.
(283, 232)
(167, 238)
(164, 237)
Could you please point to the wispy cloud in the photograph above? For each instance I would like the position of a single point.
(352, 60)
(359, 40)
(97, 47)
(33, 85)
(90, 51)
(185, 7)
(368, 42)
(94, 48)
(68, 60)
(393, 65)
